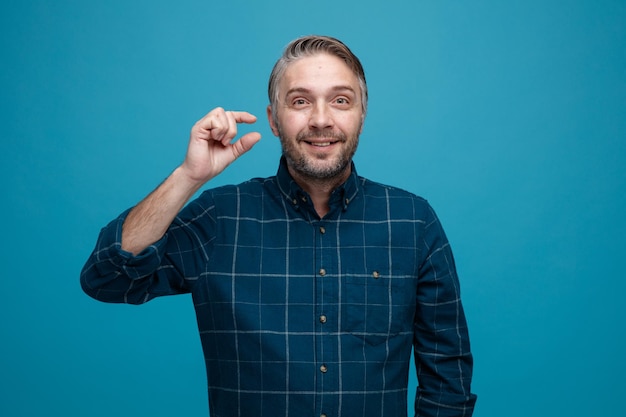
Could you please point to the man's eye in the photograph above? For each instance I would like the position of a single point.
(342, 100)
(299, 102)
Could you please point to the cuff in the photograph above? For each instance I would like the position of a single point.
(134, 266)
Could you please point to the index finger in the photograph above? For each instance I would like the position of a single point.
(243, 117)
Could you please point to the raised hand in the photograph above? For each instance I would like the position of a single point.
(211, 148)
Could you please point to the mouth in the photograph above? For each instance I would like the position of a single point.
(321, 139)
(320, 144)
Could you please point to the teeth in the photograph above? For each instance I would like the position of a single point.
(321, 144)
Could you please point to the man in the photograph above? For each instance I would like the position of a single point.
(312, 287)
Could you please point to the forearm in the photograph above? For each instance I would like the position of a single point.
(149, 220)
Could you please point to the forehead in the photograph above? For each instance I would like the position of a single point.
(317, 72)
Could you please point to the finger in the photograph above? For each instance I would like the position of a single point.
(210, 127)
(218, 124)
(221, 125)
(245, 143)
(243, 117)
(231, 130)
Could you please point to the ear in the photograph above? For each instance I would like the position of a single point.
(270, 119)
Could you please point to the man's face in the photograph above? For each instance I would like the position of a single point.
(319, 117)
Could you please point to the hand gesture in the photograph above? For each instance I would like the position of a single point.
(211, 148)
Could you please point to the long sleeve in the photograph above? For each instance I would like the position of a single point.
(167, 267)
(441, 340)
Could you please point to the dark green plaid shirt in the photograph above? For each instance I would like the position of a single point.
(302, 316)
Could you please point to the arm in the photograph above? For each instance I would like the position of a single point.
(209, 152)
(138, 255)
(441, 339)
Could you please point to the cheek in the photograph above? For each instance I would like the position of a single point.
(352, 125)
(292, 124)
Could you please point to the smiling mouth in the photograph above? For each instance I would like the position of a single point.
(321, 139)
(320, 144)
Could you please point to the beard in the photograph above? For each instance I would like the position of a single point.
(319, 166)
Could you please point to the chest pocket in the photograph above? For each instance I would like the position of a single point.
(377, 306)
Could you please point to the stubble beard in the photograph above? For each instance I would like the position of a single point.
(316, 168)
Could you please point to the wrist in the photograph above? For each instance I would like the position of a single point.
(186, 183)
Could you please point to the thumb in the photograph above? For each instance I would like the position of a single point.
(245, 143)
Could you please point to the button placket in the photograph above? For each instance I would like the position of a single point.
(325, 271)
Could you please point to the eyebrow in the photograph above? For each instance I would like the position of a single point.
(303, 90)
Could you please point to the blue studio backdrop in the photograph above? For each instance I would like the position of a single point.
(508, 116)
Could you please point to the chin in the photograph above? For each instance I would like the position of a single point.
(324, 171)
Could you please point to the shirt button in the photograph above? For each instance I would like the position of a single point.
(376, 275)
(322, 229)
(322, 415)
(323, 368)
(322, 272)
(322, 319)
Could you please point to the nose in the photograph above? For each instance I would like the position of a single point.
(321, 116)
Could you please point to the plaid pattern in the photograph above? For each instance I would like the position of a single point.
(301, 316)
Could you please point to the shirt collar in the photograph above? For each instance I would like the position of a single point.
(342, 196)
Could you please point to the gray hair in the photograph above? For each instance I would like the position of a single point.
(312, 45)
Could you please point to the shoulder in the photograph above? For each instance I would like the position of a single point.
(395, 201)
(373, 189)
(230, 200)
(245, 193)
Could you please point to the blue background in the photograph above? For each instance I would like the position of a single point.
(509, 116)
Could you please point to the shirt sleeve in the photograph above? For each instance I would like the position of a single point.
(167, 267)
(441, 340)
